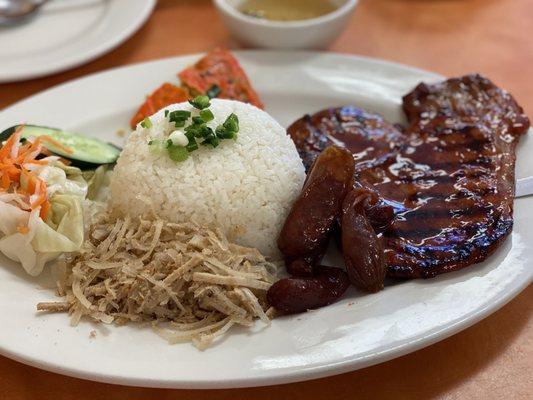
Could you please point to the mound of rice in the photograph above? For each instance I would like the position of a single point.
(245, 187)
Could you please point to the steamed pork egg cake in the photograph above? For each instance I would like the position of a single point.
(241, 177)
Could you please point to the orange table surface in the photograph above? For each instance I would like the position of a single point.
(491, 360)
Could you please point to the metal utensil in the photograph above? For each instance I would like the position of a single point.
(13, 11)
(524, 187)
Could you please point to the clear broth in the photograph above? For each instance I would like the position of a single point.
(287, 10)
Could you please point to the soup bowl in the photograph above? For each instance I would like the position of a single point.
(314, 33)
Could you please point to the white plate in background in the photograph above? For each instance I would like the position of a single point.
(67, 33)
(358, 331)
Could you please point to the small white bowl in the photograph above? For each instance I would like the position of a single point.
(315, 33)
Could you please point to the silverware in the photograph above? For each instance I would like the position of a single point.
(13, 11)
(524, 187)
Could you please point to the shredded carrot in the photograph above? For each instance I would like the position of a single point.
(37, 162)
(5, 151)
(61, 147)
(30, 152)
(13, 157)
(41, 198)
(44, 210)
(23, 229)
(5, 181)
(32, 187)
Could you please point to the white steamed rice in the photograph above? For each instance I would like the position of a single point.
(246, 187)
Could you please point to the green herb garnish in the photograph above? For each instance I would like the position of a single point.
(222, 133)
(197, 131)
(146, 123)
(177, 153)
(198, 120)
(232, 123)
(213, 92)
(207, 115)
(193, 145)
(211, 140)
(229, 129)
(200, 102)
(179, 117)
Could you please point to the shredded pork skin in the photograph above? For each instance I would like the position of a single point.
(188, 281)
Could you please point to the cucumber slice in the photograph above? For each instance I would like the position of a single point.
(85, 152)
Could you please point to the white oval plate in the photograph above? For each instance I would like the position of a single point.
(68, 33)
(358, 331)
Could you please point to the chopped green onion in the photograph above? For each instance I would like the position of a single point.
(200, 102)
(214, 91)
(229, 129)
(189, 134)
(146, 123)
(199, 131)
(193, 130)
(196, 129)
(211, 140)
(220, 132)
(203, 131)
(232, 123)
(179, 115)
(193, 145)
(198, 120)
(223, 133)
(207, 115)
(178, 153)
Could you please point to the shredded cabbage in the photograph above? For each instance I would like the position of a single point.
(26, 238)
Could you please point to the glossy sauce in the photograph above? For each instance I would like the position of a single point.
(313, 216)
(287, 10)
(449, 175)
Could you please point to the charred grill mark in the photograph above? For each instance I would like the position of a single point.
(438, 213)
(427, 261)
(449, 175)
(477, 161)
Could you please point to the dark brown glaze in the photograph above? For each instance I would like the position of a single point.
(459, 188)
(301, 266)
(368, 136)
(451, 180)
(453, 192)
(378, 213)
(295, 295)
(470, 99)
(362, 250)
(308, 226)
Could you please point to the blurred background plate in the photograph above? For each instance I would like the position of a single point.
(68, 33)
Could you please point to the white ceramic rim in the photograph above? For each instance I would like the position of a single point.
(304, 373)
(346, 8)
(88, 55)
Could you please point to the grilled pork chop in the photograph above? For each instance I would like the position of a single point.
(368, 136)
(449, 176)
